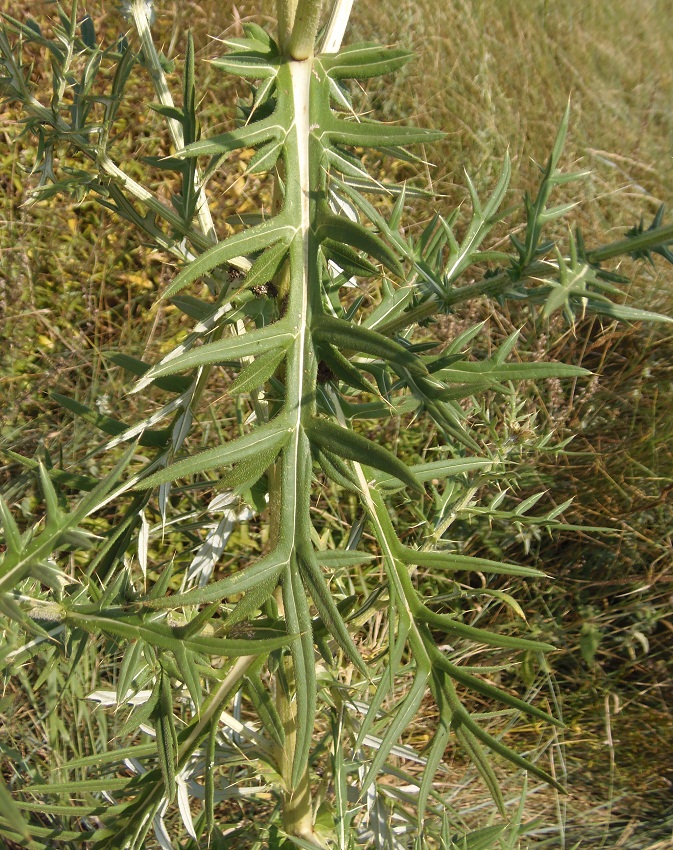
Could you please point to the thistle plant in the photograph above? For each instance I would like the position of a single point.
(251, 683)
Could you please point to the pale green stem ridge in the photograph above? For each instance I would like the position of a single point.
(336, 28)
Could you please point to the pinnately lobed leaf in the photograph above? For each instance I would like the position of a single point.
(279, 617)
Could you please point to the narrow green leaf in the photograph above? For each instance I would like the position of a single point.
(267, 265)
(339, 229)
(335, 559)
(392, 305)
(132, 662)
(168, 111)
(266, 438)
(440, 470)
(264, 705)
(186, 666)
(253, 600)
(54, 512)
(250, 64)
(247, 472)
(193, 307)
(247, 242)
(481, 761)
(265, 158)
(257, 373)
(505, 751)
(298, 619)
(137, 367)
(12, 813)
(337, 470)
(352, 446)
(625, 313)
(451, 626)
(376, 135)
(249, 136)
(209, 795)
(107, 424)
(165, 637)
(322, 599)
(435, 754)
(348, 336)
(274, 337)
(347, 259)
(11, 529)
(345, 370)
(167, 739)
(266, 569)
(484, 688)
(401, 717)
(461, 372)
(453, 562)
(361, 61)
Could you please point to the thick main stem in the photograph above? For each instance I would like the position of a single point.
(290, 490)
(295, 473)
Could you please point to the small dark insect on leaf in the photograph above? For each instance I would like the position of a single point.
(265, 290)
(325, 374)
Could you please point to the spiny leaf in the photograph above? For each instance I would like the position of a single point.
(345, 370)
(265, 158)
(342, 230)
(250, 63)
(277, 336)
(361, 61)
(345, 335)
(377, 135)
(442, 469)
(257, 373)
(322, 599)
(484, 688)
(454, 562)
(107, 424)
(298, 619)
(185, 662)
(248, 241)
(165, 637)
(334, 559)
(450, 625)
(167, 742)
(401, 718)
(353, 446)
(266, 710)
(265, 438)
(139, 368)
(266, 266)
(249, 136)
(11, 529)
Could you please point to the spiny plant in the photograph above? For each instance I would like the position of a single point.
(310, 744)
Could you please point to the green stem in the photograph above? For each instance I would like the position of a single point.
(304, 29)
(291, 479)
(643, 242)
(285, 10)
(489, 286)
(297, 809)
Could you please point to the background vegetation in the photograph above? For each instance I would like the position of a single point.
(495, 76)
